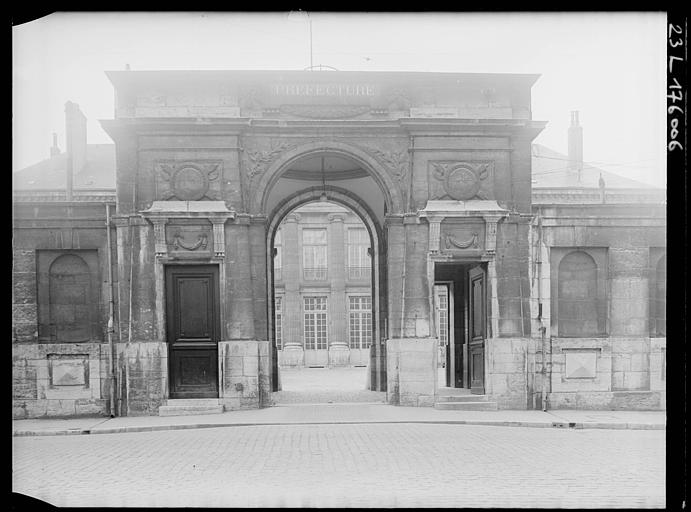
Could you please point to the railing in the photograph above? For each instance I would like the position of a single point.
(314, 274)
(359, 273)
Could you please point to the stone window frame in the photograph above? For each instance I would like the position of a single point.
(279, 300)
(657, 255)
(358, 258)
(313, 314)
(44, 261)
(319, 269)
(600, 257)
(278, 255)
(357, 316)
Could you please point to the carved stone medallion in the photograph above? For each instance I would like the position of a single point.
(189, 184)
(188, 181)
(461, 181)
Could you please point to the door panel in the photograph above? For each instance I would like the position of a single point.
(193, 329)
(477, 295)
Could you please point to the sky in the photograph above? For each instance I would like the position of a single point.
(608, 66)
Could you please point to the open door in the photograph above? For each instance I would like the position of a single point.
(477, 296)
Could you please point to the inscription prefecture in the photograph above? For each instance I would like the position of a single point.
(337, 90)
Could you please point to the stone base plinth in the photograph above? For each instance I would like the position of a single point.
(244, 374)
(291, 356)
(339, 355)
(411, 367)
(59, 380)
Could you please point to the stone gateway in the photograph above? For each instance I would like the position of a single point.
(162, 288)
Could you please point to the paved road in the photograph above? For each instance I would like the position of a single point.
(382, 465)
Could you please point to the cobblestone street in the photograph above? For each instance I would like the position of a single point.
(373, 465)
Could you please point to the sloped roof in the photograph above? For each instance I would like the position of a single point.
(549, 170)
(98, 171)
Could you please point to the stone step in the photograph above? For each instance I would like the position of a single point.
(192, 401)
(188, 410)
(461, 398)
(190, 406)
(466, 406)
(444, 391)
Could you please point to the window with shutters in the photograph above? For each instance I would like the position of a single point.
(359, 263)
(278, 256)
(314, 247)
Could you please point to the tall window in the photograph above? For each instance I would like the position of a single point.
(315, 323)
(278, 322)
(314, 254)
(358, 258)
(441, 295)
(360, 324)
(577, 295)
(278, 256)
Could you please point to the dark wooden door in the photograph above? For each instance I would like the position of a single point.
(477, 323)
(193, 329)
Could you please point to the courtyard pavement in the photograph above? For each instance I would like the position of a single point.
(347, 465)
(338, 396)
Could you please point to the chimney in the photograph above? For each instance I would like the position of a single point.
(575, 145)
(54, 150)
(75, 128)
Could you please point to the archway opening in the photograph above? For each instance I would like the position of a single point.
(325, 262)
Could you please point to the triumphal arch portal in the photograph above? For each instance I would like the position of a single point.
(209, 163)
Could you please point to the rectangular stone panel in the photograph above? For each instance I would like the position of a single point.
(581, 364)
(68, 370)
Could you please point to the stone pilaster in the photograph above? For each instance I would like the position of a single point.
(257, 235)
(416, 323)
(396, 270)
(293, 353)
(338, 329)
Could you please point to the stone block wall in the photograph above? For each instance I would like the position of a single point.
(143, 377)
(508, 371)
(411, 371)
(61, 379)
(244, 374)
(606, 373)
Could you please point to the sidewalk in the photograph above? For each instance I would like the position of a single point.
(308, 414)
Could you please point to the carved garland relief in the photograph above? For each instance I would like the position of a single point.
(459, 238)
(188, 239)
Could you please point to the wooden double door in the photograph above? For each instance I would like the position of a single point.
(466, 324)
(193, 330)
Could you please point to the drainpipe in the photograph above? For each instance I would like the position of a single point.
(539, 314)
(111, 354)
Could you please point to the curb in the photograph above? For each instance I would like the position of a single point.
(159, 428)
